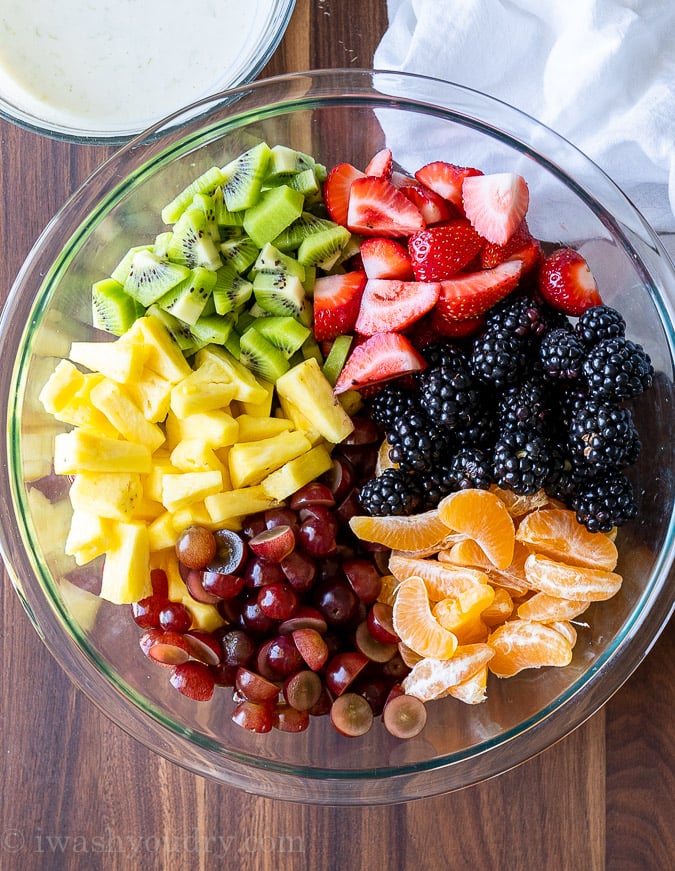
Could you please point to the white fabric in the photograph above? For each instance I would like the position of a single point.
(599, 72)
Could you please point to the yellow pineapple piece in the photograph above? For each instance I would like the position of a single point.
(161, 532)
(296, 473)
(351, 401)
(261, 408)
(126, 569)
(152, 483)
(250, 462)
(217, 428)
(195, 455)
(238, 503)
(309, 390)
(88, 536)
(247, 387)
(253, 428)
(112, 400)
(289, 411)
(206, 617)
(38, 450)
(78, 409)
(83, 451)
(163, 355)
(61, 386)
(147, 510)
(199, 392)
(179, 490)
(120, 361)
(196, 514)
(82, 605)
(152, 394)
(116, 495)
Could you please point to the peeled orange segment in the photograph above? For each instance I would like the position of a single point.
(570, 582)
(462, 615)
(388, 587)
(544, 608)
(500, 609)
(416, 626)
(521, 644)
(408, 656)
(473, 690)
(556, 533)
(469, 553)
(520, 504)
(482, 516)
(414, 532)
(566, 630)
(432, 678)
(441, 580)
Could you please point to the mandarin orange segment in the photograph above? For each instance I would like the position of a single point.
(414, 532)
(520, 504)
(408, 655)
(473, 690)
(482, 516)
(566, 630)
(432, 678)
(388, 588)
(416, 626)
(570, 582)
(520, 644)
(469, 553)
(441, 580)
(462, 615)
(544, 608)
(556, 533)
(500, 610)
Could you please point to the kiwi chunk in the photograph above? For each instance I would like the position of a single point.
(121, 272)
(336, 358)
(285, 333)
(260, 356)
(307, 224)
(206, 203)
(240, 253)
(226, 220)
(161, 245)
(206, 183)
(323, 248)
(213, 329)
(271, 259)
(243, 177)
(150, 277)
(188, 299)
(231, 290)
(179, 331)
(191, 243)
(273, 212)
(282, 294)
(113, 310)
(286, 162)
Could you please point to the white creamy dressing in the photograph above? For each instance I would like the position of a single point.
(121, 64)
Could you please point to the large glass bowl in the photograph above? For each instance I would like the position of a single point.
(337, 116)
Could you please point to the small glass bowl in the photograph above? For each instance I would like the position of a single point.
(337, 115)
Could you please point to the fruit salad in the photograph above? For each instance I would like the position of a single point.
(351, 440)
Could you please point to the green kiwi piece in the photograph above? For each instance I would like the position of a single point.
(213, 329)
(244, 320)
(275, 209)
(232, 344)
(310, 280)
(307, 224)
(161, 245)
(285, 333)
(206, 203)
(226, 220)
(113, 310)
(121, 272)
(336, 358)
(188, 299)
(323, 248)
(179, 331)
(243, 177)
(260, 356)
(231, 290)
(271, 259)
(286, 162)
(240, 253)
(206, 183)
(150, 277)
(282, 294)
(191, 243)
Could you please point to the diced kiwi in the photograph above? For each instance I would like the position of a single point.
(282, 294)
(336, 358)
(179, 331)
(232, 344)
(323, 248)
(206, 183)
(240, 253)
(243, 177)
(214, 329)
(286, 162)
(231, 290)
(161, 245)
(275, 209)
(260, 356)
(271, 259)
(226, 220)
(206, 203)
(150, 277)
(191, 243)
(121, 272)
(310, 280)
(188, 299)
(285, 333)
(307, 224)
(113, 310)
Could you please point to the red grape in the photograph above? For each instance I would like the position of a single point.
(196, 547)
(351, 715)
(194, 680)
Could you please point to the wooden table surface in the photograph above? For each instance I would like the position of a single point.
(72, 780)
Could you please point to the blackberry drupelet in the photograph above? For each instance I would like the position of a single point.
(521, 462)
(520, 316)
(606, 501)
(470, 467)
(393, 492)
(563, 478)
(617, 369)
(477, 429)
(443, 354)
(598, 323)
(391, 404)
(499, 359)
(561, 355)
(449, 394)
(526, 407)
(434, 484)
(602, 435)
(417, 444)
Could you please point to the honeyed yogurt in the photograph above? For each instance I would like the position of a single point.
(119, 65)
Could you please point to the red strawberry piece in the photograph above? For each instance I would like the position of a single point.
(495, 204)
(433, 207)
(441, 251)
(378, 208)
(337, 299)
(391, 305)
(567, 283)
(336, 189)
(471, 294)
(456, 329)
(385, 258)
(380, 358)
(446, 179)
(381, 164)
(521, 246)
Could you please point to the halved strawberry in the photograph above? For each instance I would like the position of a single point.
(521, 246)
(380, 358)
(377, 208)
(441, 251)
(385, 258)
(567, 283)
(336, 189)
(446, 179)
(391, 305)
(337, 300)
(456, 329)
(381, 164)
(471, 294)
(433, 207)
(495, 204)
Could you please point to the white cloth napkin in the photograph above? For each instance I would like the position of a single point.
(599, 72)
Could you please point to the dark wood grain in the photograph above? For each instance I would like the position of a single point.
(78, 793)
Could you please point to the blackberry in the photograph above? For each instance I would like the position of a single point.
(617, 369)
(602, 435)
(563, 478)
(598, 323)
(390, 404)
(525, 407)
(392, 492)
(444, 354)
(416, 443)
(470, 467)
(449, 394)
(499, 359)
(478, 428)
(605, 501)
(561, 355)
(520, 316)
(434, 485)
(572, 397)
(521, 462)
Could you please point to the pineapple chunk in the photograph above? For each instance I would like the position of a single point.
(120, 361)
(79, 410)
(163, 355)
(217, 428)
(116, 495)
(179, 490)
(308, 389)
(253, 428)
(38, 450)
(232, 504)
(152, 483)
(262, 408)
(250, 462)
(162, 532)
(81, 451)
(201, 391)
(147, 510)
(292, 412)
(82, 605)
(61, 385)
(196, 514)
(127, 418)
(195, 455)
(152, 394)
(296, 473)
(88, 537)
(247, 387)
(126, 569)
(206, 617)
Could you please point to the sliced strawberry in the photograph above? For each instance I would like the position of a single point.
(456, 329)
(521, 246)
(471, 294)
(433, 207)
(385, 258)
(381, 164)
(377, 208)
(441, 251)
(391, 305)
(495, 204)
(336, 189)
(567, 283)
(337, 300)
(446, 179)
(380, 358)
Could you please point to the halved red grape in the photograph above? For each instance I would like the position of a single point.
(194, 680)
(336, 601)
(314, 493)
(302, 689)
(160, 583)
(222, 585)
(196, 547)
(193, 581)
(404, 716)
(231, 552)
(204, 646)
(253, 716)
(312, 647)
(305, 617)
(279, 517)
(258, 572)
(283, 657)
(168, 648)
(365, 432)
(381, 623)
(375, 650)
(146, 611)
(255, 687)
(288, 719)
(351, 715)
(363, 577)
(342, 669)
(340, 478)
(273, 544)
(300, 570)
(238, 648)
